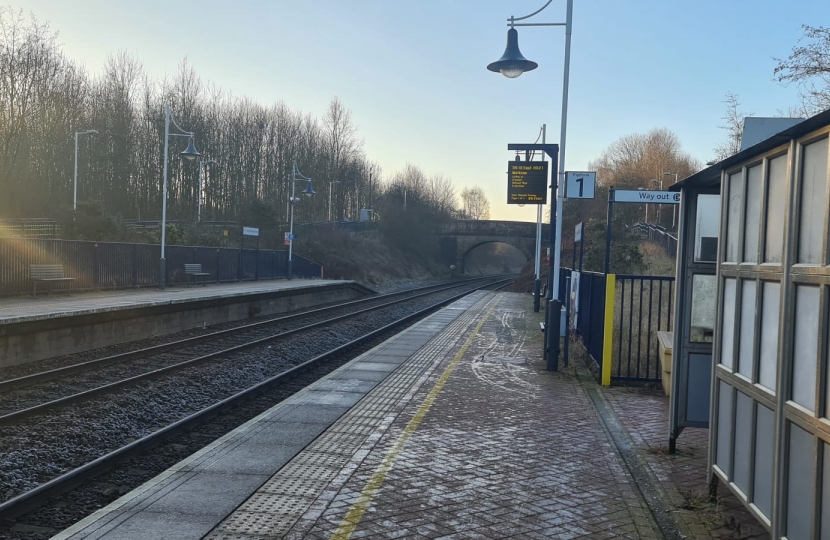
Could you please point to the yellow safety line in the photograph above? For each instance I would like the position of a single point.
(608, 330)
(355, 513)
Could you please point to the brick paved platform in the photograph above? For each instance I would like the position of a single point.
(466, 437)
(645, 414)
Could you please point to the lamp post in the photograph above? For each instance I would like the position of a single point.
(330, 183)
(659, 206)
(674, 206)
(75, 184)
(295, 176)
(202, 163)
(511, 65)
(190, 154)
(537, 283)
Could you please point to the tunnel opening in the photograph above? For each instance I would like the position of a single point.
(493, 258)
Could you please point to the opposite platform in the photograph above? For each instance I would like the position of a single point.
(23, 308)
(467, 436)
(33, 329)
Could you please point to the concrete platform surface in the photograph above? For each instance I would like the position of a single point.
(24, 308)
(454, 430)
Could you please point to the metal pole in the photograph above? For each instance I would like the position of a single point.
(609, 219)
(162, 263)
(199, 196)
(537, 285)
(289, 273)
(659, 206)
(581, 249)
(553, 308)
(75, 194)
(330, 201)
(561, 190)
(674, 207)
(554, 305)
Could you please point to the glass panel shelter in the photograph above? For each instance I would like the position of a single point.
(769, 404)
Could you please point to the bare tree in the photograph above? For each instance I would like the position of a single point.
(733, 124)
(475, 203)
(634, 161)
(809, 67)
(30, 65)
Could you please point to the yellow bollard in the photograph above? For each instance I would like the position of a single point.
(608, 330)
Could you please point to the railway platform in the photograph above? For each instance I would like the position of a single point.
(32, 329)
(451, 429)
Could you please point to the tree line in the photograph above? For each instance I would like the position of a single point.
(45, 97)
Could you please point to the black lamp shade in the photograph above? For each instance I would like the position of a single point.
(512, 63)
(190, 152)
(308, 191)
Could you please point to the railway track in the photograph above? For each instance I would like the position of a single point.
(152, 384)
(111, 373)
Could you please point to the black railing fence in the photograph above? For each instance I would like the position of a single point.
(111, 265)
(659, 235)
(643, 305)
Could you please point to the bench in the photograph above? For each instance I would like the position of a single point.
(48, 273)
(195, 270)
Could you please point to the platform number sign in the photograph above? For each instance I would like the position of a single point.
(580, 185)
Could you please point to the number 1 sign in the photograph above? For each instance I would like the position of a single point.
(580, 185)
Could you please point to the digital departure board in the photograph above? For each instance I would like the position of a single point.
(527, 182)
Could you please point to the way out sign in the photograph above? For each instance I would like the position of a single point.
(580, 185)
(646, 196)
(527, 182)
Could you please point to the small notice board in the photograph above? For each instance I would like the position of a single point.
(527, 182)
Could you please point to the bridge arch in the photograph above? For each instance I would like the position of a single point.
(457, 238)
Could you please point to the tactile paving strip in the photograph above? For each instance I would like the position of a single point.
(286, 496)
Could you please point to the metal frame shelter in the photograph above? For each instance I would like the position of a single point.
(769, 414)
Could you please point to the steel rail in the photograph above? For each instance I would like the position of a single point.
(35, 497)
(103, 389)
(44, 376)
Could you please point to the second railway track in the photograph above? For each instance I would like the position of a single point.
(73, 441)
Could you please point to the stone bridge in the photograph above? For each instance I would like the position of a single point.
(458, 238)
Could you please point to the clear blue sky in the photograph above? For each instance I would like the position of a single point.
(413, 73)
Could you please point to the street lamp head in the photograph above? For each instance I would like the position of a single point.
(512, 63)
(669, 174)
(308, 192)
(190, 152)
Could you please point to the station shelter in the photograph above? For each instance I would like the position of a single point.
(751, 338)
